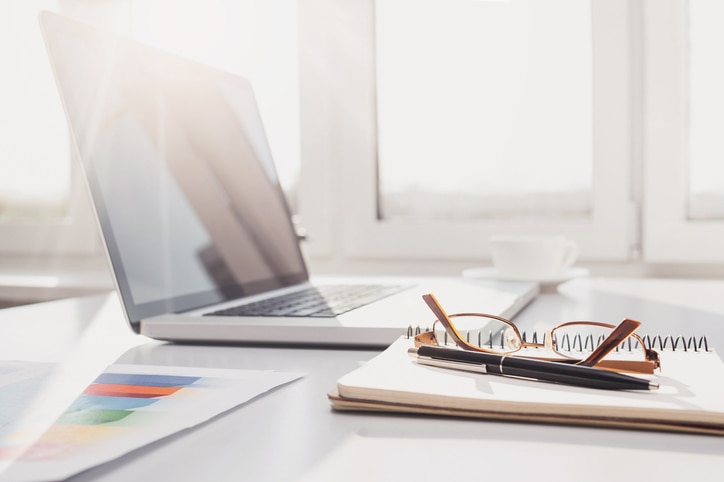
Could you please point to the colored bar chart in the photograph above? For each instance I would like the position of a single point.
(124, 408)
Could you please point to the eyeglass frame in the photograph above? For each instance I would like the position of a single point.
(618, 335)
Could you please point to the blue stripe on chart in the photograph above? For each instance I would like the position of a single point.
(145, 380)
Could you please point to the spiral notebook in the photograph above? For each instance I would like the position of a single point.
(689, 399)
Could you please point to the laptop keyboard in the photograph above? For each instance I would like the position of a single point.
(317, 302)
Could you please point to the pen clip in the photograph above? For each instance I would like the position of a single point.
(468, 367)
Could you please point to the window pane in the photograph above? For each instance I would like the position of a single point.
(706, 110)
(484, 109)
(34, 140)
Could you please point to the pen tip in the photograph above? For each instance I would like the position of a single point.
(653, 386)
(412, 351)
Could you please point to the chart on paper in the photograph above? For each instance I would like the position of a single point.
(124, 408)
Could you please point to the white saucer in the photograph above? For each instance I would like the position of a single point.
(492, 274)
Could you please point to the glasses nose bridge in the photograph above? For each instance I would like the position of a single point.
(548, 341)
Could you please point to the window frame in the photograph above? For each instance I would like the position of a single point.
(337, 186)
(337, 70)
(668, 235)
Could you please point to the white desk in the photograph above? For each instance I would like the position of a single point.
(292, 434)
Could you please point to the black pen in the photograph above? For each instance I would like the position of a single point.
(539, 370)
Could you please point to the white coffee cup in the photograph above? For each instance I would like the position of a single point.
(518, 257)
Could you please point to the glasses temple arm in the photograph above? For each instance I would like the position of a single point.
(435, 307)
(617, 336)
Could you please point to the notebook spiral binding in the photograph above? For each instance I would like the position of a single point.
(587, 343)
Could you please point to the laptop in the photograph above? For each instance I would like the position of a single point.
(195, 224)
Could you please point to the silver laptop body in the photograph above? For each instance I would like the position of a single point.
(191, 212)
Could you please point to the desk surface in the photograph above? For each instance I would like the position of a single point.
(292, 434)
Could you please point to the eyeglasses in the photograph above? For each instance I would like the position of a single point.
(567, 341)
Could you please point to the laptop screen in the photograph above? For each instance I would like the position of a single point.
(179, 170)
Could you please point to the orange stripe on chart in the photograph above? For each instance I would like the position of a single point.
(135, 391)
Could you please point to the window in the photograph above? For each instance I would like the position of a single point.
(39, 186)
(684, 189)
(43, 204)
(484, 110)
(438, 123)
(414, 129)
(43, 207)
(706, 111)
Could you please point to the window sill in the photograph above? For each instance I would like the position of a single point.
(633, 269)
(24, 281)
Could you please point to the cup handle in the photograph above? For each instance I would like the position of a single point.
(571, 254)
